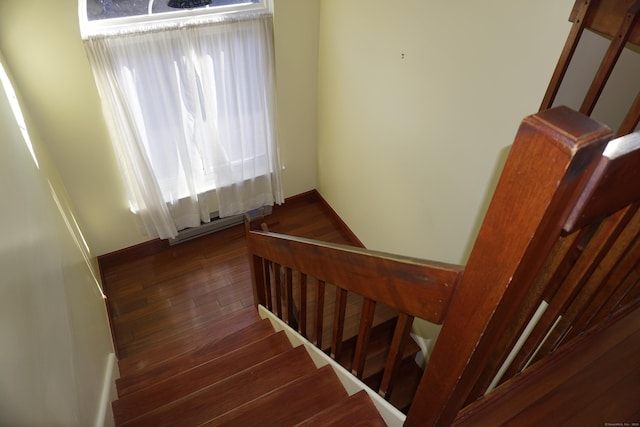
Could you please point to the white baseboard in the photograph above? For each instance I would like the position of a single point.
(104, 415)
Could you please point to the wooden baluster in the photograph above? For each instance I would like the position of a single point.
(302, 324)
(364, 333)
(565, 57)
(268, 267)
(631, 294)
(338, 322)
(291, 311)
(620, 278)
(590, 247)
(400, 337)
(259, 276)
(258, 280)
(632, 119)
(278, 285)
(626, 248)
(610, 59)
(620, 298)
(319, 317)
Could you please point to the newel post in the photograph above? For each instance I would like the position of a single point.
(554, 153)
(252, 221)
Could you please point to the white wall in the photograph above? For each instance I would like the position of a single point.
(418, 101)
(41, 42)
(56, 346)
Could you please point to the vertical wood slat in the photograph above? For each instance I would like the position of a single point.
(319, 314)
(609, 61)
(566, 266)
(259, 275)
(268, 268)
(618, 267)
(632, 118)
(302, 323)
(579, 281)
(620, 263)
(617, 274)
(364, 333)
(625, 294)
(565, 57)
(259, 280)
(288, 279)
(591, 247)
(338, 322)
(565, 252)
(609, 279)
(546, 283)
(398, 343)
(631, 296)
(277, 268)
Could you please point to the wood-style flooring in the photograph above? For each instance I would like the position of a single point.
(155, 298)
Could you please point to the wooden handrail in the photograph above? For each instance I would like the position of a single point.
(416, 287)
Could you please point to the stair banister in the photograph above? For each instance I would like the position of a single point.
(415, 288)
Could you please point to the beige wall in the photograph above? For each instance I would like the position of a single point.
(296, 36)
(417, 102)
(621, 88)
(41, 42)
(405, 148)
(42, 46)
(57, 357)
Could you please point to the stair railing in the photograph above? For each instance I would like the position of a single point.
(292, 277)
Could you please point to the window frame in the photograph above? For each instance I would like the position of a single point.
(92, 28)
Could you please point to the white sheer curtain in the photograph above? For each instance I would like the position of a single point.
(191, 113)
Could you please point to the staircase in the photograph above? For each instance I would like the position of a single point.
(247, 374)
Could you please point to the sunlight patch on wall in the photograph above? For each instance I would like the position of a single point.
(17, 111)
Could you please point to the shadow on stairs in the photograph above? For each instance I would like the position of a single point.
(248, 374)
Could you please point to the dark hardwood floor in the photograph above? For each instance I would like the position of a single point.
(156, 298)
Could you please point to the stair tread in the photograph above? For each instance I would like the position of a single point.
(231, 392)
(141, 378)
(191, 380)
(357, 409)
(210, 331)
(290, 403)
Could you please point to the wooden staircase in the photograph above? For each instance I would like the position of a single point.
(248, 374)
(540, 327)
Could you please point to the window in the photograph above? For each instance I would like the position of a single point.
(100, 16)
(108, 9)
(189, 100)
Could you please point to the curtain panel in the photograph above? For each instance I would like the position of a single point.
(191, 113)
